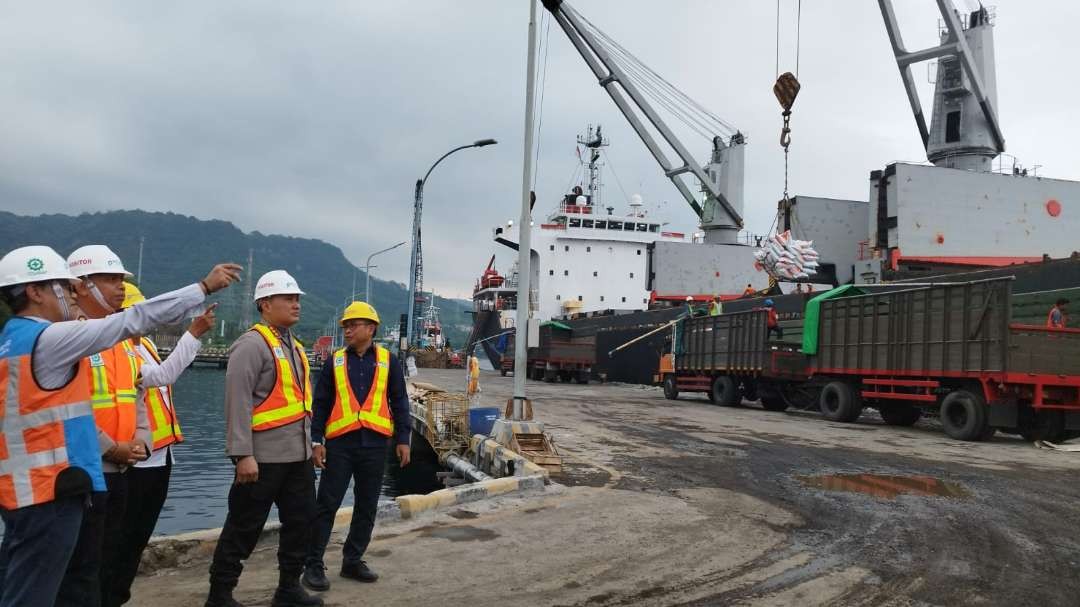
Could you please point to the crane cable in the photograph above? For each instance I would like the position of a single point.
(786, 90)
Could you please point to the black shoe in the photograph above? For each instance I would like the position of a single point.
(359, 572)
(221, 597)
(314, 578)
(294, 596)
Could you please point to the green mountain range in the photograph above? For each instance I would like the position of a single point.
(179, 250)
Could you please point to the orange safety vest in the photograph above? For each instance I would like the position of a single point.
(164, 427)
(42, 432)
(1050, 319)
(288, 401)
(114, 377)
(374, 414)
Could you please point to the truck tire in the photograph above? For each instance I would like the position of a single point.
(900, 415)
(582, 377)
(839, 402)
(725, 391)
(671, 388)
(964, 415)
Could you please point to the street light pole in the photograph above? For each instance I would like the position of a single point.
(418, 206)
(367, 271)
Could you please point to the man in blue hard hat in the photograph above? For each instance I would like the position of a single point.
(773, 322)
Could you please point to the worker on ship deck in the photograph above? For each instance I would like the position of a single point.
(1057, 317)
(268, 437)
(360, 405)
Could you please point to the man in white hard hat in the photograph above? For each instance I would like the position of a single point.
(45, 354)
(123, 426)
(268, 436)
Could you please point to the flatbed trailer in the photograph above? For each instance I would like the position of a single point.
(949, 349)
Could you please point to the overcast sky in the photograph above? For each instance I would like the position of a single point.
(314, 119)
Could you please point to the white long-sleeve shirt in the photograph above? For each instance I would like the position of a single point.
(162, 374)
(63, 344)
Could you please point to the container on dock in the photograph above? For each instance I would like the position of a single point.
(482, 419)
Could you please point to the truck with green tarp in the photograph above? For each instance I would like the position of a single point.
(560, 355)
(949, 349)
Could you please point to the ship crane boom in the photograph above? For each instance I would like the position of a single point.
(721, 214)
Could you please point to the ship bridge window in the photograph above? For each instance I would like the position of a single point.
(628, 227)
(601, 225)
(641, 227)
(575, 222)
(614, 225)
(586, 223)
(654, 227)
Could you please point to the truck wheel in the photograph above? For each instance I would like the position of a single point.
(839, 402)
(582, 377)
(900, 415)
(671, 388)
(550, 376)
(724, 391)
(964, 415)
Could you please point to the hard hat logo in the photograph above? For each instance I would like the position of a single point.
(35, 264)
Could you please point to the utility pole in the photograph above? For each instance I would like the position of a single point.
(246, 305)
(521, 324)
(138, 277)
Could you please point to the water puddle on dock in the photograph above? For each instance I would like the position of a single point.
(886, 486)
(461, 533)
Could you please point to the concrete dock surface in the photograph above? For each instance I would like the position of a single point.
(687, 503)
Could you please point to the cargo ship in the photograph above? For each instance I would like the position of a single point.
(966, 214)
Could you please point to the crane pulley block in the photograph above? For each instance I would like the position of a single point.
(786, 89)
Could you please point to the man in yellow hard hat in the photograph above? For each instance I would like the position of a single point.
(148, 480)
(360, 404)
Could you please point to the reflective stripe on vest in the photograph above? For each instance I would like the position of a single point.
(114, 374)
(375, 412)
(164, 427)
(42, 432)
(287, 402)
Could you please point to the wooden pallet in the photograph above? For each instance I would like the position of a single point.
(539, 450)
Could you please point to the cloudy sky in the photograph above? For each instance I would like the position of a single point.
(314, 119)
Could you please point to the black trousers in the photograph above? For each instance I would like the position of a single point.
(147, 489)
(81, 586)
(779, 332)
(346, 460)
(289, 486)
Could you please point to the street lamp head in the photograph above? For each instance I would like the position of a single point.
(483, 142)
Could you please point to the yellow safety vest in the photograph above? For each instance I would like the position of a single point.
(288, 401)
(374, 413)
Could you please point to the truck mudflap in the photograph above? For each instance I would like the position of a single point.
(1004, 413)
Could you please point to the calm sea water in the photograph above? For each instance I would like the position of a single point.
(202, 473)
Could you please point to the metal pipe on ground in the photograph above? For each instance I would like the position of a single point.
(464, 468)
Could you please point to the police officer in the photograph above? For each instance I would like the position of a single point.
(268, 436)
(360, 405)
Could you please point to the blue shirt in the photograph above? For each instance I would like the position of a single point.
(361, 370)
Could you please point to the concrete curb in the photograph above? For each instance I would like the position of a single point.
(183, 549)
(497, 460)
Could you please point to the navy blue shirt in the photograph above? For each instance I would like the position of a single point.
(361, 372)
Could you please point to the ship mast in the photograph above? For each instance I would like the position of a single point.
(593, 142)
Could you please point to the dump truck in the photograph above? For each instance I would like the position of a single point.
(560, 355)
(948, 349)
